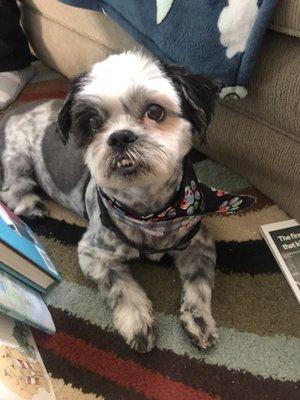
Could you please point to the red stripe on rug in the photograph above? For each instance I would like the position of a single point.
(55, 94)
(126, 373)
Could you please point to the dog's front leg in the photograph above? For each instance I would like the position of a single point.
(132, 310)
(196, 267)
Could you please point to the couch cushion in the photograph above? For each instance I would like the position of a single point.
(286, 17)
(263, 155)
(275, 85)
(90, 24)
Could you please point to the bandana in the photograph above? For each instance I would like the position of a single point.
(181, 217)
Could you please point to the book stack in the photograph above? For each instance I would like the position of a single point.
(26, 272)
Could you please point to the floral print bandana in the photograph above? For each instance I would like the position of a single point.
(191, 202)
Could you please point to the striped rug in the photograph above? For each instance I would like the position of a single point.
(257, 357)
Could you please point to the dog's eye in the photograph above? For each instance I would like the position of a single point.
(95, 122)
(155, 112)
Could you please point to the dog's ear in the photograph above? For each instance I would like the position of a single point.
(198, 95)
(64, 120)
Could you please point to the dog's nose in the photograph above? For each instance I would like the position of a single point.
(121, 138)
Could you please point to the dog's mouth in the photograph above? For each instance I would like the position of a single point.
(128, 163)
(125, 166)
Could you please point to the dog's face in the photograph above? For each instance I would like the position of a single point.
(134, 117)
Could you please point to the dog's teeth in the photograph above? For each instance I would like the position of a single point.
(125, 162)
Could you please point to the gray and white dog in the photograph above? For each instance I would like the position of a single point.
(126, 128)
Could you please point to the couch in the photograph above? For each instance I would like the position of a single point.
(258, 137)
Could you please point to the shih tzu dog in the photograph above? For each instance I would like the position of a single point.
(116, 152)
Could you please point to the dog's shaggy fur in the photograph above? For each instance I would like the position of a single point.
(128, 123)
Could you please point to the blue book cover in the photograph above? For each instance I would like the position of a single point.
(18, 236)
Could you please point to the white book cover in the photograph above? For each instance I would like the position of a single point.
(283, 239)
(24, 303)
(22, 373)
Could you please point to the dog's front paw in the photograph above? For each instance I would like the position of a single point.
(143, 341)
(137, 328)
(34, 210)
(200, 327)
(31, 206)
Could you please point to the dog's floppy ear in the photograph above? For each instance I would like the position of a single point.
(64, 120)
(198, 95)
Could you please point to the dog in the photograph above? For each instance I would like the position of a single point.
(115, 151)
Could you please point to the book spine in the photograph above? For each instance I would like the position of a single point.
(22, 278)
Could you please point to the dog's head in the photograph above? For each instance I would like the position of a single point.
(135, 118)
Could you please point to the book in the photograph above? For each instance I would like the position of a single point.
(21, 253)
(283, 239)
(24, 304)
(22, 372)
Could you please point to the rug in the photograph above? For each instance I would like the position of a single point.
(257, 357)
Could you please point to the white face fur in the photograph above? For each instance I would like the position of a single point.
(130, 93)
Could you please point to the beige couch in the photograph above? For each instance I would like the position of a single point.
(258, 137)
